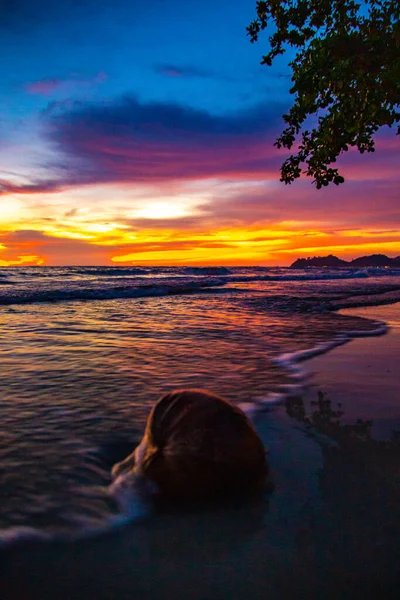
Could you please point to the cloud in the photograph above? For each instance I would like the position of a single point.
(132, 141)
(128, 141)
(71, 213)
(354, 205)
(44, 86)
(7, 187)
(41, 248)
(188, 71)
(24, 235)
(50, 85)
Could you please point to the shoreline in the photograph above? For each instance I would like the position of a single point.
(291, 360)
(361, 377)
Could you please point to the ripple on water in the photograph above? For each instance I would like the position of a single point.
(76, 380)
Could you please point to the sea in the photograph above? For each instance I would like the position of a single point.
(85, 353)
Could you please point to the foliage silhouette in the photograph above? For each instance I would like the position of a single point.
(345, 74)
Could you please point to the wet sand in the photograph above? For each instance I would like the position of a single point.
(364, 374)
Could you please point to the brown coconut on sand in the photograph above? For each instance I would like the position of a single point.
(197, 446)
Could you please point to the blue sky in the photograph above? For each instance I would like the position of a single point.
(135, 124)
(130, 43)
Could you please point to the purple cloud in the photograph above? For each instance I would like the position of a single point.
(36, 187)
(44, 86)
(132, 141)
(51, 85)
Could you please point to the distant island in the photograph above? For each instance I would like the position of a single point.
(374, 260)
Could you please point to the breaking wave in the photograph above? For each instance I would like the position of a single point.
(320, 275)
(107, 293)
(55, 284)
(207, 271)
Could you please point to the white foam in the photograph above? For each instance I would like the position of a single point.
(13, 535)
(132, 494)
(140, 453)
(291, 362)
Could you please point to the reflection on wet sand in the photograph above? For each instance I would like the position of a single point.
(356, 539)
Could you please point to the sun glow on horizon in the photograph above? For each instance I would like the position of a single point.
(189, 223)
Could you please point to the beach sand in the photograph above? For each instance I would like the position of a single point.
(329, 530)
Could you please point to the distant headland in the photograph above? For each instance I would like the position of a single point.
(374, 260)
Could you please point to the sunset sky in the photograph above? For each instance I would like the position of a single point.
(137, 132)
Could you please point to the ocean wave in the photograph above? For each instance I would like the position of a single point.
(110, 271)
(206, 271)
(89, 509)
(110, 293)
(4, 278)
(20, 534)
(229, 275)
(47, 272)
(318, 276)
(81, 527)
